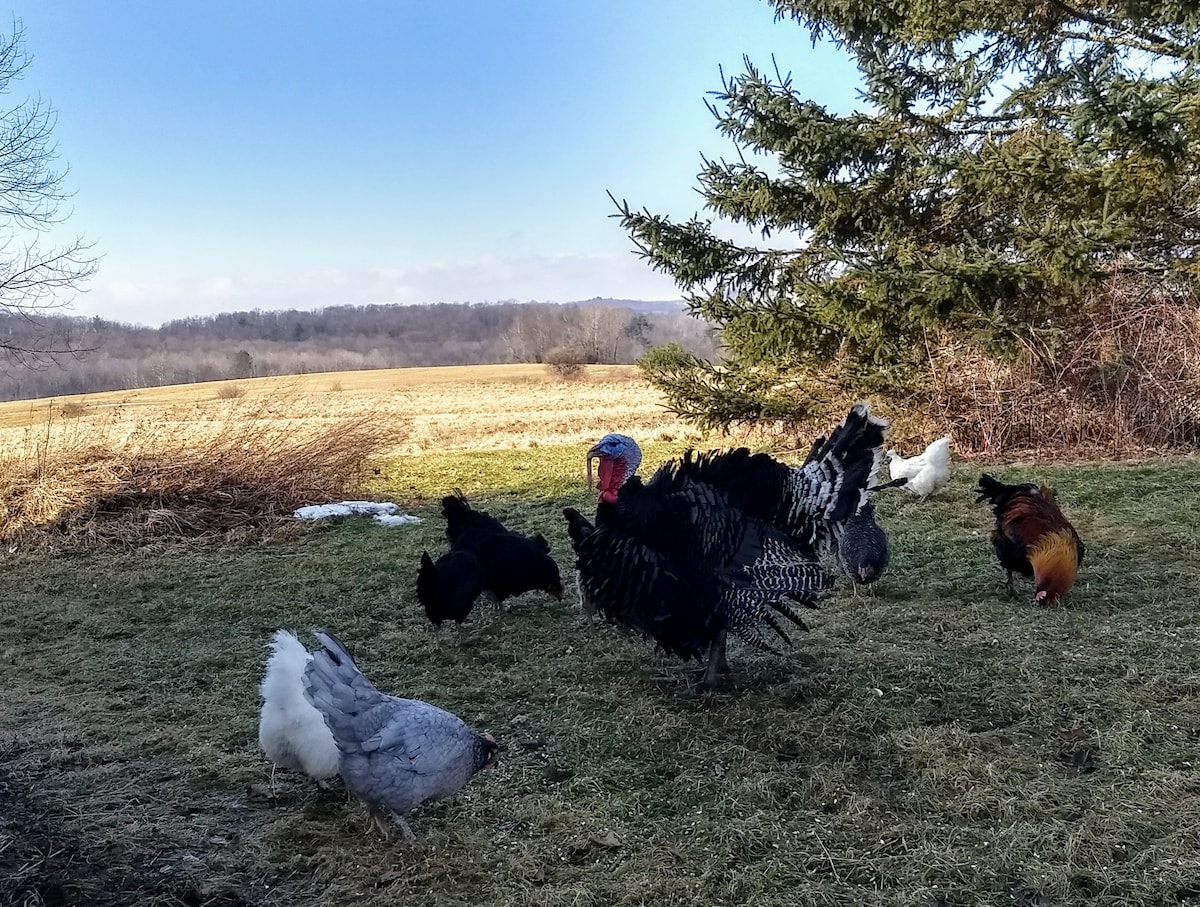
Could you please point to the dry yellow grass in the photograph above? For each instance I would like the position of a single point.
(217, 476)
(211, 457)
(450, 408)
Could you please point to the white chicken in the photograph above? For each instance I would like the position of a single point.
(291, 731)
(927, 471)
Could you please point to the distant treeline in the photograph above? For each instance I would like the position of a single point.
(112, 356)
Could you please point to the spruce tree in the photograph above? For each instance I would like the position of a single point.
(1006, 156)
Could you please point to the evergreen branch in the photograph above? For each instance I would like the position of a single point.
(1153, 42)
(904, 220)
(1120, 41)
(987, 132)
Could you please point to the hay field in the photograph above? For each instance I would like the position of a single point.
(224, 456)
(449, 408)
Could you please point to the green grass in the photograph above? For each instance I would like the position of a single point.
(549, 473)
(936, 744)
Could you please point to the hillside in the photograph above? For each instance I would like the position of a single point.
(99, 355)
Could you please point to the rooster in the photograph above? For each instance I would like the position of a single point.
(1033, 537)
(291, 732)
(395, 753)
(714, 542)
(926, 472)
(447, 588)
(512, 563)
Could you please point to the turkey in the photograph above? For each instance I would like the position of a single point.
(447, 588)
(291, 732)
(810, 502)
(715, 542)
(686, 570)
(927, 471)
(512, 563)
(394, 753)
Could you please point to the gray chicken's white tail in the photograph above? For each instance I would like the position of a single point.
(285, 668)
(291, 732)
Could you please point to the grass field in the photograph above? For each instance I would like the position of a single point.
(937, 744)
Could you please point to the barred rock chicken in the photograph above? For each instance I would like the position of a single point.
(394, 753)
(513, 564)
(290, 731)
(862, 550)
(713, 542)
(1033, 537)
(927, 471)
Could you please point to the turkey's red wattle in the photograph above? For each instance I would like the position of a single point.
(612, 477)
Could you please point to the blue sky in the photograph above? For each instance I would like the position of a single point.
(267, 154)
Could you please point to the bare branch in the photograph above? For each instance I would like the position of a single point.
(33, 279)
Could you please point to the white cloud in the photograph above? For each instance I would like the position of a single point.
(542, 278)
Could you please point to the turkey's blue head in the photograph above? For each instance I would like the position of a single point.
(619, 457)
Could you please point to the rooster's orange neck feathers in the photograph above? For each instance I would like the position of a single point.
(1055, 560)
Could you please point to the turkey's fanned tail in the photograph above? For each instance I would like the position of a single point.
(834, 481)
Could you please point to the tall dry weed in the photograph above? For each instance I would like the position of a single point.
(1123, 380)
(238, 468)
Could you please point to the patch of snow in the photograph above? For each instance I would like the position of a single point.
(384, 512)
(396, 519)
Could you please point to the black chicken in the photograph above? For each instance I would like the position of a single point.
(448, 587)
(512, 563)
(714, 542)
(862, 549)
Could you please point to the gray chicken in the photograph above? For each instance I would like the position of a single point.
(862, 551)
(395, 753)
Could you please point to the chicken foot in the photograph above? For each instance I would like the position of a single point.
(379, 818)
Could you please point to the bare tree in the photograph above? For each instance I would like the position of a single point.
(532, 333)
(33, 279)
(601, 332)
(112, 356)
(241, 365)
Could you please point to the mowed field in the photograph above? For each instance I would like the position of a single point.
(934, 744)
